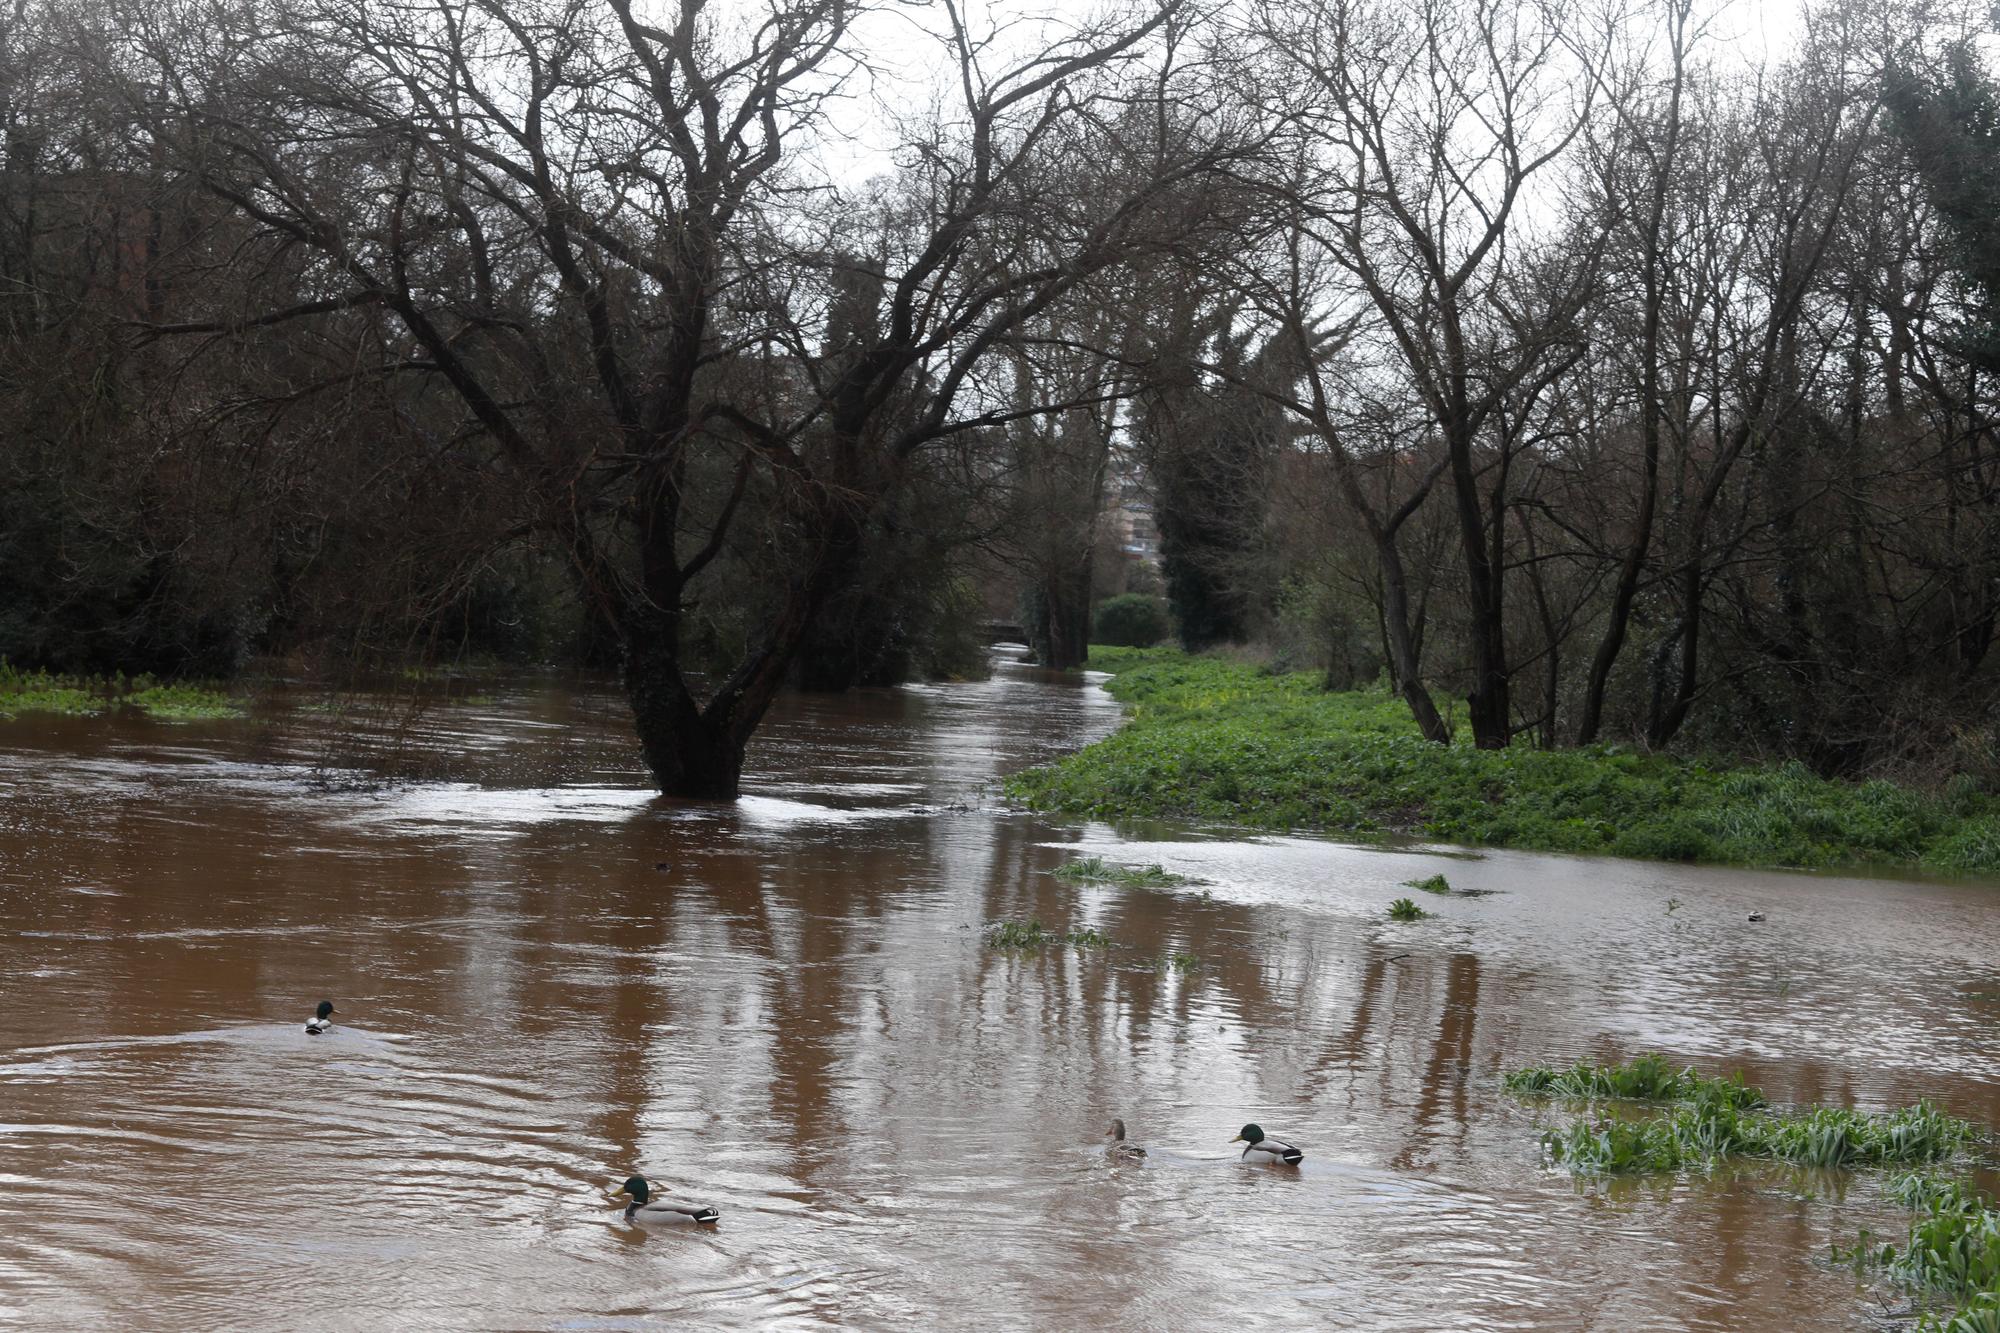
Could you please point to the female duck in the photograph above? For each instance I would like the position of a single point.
(644, 1208)
(1261, 1147)
(1117, 1149)
(321, 1020)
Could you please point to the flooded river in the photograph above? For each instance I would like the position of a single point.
(548, 980)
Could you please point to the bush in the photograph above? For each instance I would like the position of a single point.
(1131, 620)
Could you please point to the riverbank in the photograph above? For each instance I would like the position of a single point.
(1223, 741)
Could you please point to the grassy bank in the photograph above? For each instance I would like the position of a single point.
(86, 696)
(1223, 741)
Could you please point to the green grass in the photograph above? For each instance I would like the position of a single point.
(1649, 1078)
(183, 703)
(1433, 884)
(1214, 740)
(39, 692)
(1405, 909)
(1952, 1253)
(1714, 1118)
(1701, 1133)
(1097, 870)
(86, 696)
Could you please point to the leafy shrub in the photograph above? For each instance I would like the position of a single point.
(1131, 620)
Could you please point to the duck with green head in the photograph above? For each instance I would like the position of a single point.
(321, 1020)
(1261, 1147)
(641, 1206)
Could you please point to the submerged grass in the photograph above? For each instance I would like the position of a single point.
(184, 703)
(1173, 960)
(1218, 740)
(1701, 1133)
(1406, 909)
(1429, 884)
(86, 696)
(1097, 870)
(1714, 1118)
(39, 692)
(1950, 1258)
(1031, 936)
(1648, 1078)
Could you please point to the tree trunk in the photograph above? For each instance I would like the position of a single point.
(687, 752)
(1403, 661)
(1066, 602)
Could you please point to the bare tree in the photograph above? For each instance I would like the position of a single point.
(583, 219)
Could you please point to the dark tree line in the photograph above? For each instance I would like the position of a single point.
(1537, 356)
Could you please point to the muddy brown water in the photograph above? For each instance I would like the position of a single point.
(548, 979)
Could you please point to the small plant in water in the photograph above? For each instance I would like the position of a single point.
(1406, 909)
(1714, 1118)
(1097, 870)
(1431, 884)
(1028, 936)
(1951, 1257)
(1649, 1078)
(1019, 935)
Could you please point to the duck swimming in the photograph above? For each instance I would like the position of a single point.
(1260, 1147)
(1117, 1149)
(644, 1208)
(321, 1019)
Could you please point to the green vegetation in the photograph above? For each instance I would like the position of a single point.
(183, 703)
(1174, 960)
(1030, 936)
(1218, 740)
(1405, 909)
(1097, 870)
(1131, 620)
(39, 692)
(1952, 1253)
(1701, 1133)
(1432, 884)
(1649, 1078)
(1714, 1118)
(86, 696)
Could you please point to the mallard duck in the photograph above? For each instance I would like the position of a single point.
(321, 1020)
(644, 1208)
(1117, 1149)
(1260, 1147)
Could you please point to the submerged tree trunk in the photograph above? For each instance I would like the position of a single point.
(1065, 640)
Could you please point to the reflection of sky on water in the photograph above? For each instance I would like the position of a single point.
(550, 977)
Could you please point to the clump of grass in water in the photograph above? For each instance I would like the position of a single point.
(85, 696)
(1019, 935)
(40, 692)
(1097, 870)
(1431, 884)
(1405, 909)
(1703, 1132)
(1174, 960)
(1952, 1253)
(1649, 1078)
(184, 703)
(1027, 936)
